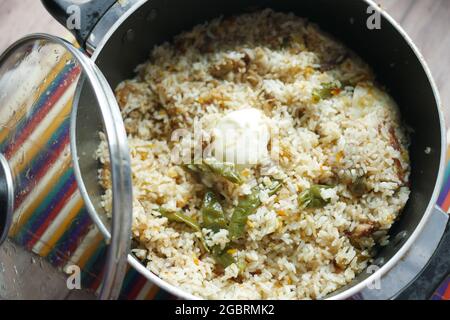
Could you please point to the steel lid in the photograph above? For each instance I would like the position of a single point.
(42, 80)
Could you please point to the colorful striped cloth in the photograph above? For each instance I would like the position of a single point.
(443, 292)
(444, 197)
(50, 218)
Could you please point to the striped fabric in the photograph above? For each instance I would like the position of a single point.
(50, 218)
(443, 292)
(444, 198)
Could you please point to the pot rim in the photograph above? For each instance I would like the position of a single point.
(353, 290)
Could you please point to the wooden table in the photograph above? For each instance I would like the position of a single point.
(428, 24)
(426, 21)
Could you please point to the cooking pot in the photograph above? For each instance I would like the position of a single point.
(118, 36)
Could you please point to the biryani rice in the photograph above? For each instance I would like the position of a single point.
(274, 62)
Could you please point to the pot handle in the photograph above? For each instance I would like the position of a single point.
(79, 17)
(6, 198)
(434, 273)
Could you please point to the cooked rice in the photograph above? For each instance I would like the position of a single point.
(273, 62)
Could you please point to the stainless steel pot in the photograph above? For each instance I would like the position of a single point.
(119, 36)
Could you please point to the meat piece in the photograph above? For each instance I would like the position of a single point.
(396, 145)
(222, 68)
(124, 92)
(331, 53)
(393, 139)
(363, 230)
(333, 59)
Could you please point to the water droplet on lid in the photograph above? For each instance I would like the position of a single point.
(129, 35)
(152, 15)
(398, 239)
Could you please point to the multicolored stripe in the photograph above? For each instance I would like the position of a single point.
(444, 198)
(136, 287)
(50, 218)
(40, 109)
(443, 292)
(64, 244)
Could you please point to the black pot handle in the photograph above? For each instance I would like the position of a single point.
(433, 275)
(79, 17)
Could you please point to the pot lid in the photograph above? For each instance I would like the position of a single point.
(42, 80)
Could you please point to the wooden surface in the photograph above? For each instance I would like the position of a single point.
(426, 21)
(21, 17)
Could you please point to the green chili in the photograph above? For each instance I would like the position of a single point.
(327, 91)
(245, 208)
(212, 212)
(222, 257)
(182, 218)
(227, 170)
(359, 187)
(312, 198)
